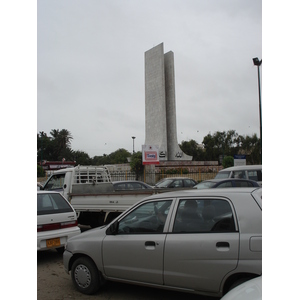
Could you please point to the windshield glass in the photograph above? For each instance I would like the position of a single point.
(55, 182)
(223, 175)
(164, 183)
(204, 185)
(52, 204)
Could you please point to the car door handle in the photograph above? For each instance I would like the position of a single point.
(150, 243)
(223, 246)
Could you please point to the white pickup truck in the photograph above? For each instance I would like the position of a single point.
(90, 191)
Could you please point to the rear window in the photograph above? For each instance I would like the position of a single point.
(52, 204)
(223, 175)
(255, 175)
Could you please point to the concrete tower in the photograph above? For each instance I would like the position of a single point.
(161, 127)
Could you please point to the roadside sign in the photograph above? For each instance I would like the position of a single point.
(239, 160)
(150, 155)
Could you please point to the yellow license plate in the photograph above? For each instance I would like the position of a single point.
(53, 242)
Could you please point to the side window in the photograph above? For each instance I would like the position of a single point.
(225, 184)
(189, 183)
(136, 186)
(55, 182)
(255, 175)
(239, 174)
(243, 183)
(147, 218)
(203, 216)
(176, 183)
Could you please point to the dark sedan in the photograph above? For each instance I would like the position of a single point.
(176, 182)
(130, 185)
(226, 183)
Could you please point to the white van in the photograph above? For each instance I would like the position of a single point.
(253, 172)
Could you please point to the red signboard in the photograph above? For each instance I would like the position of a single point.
(150, 155)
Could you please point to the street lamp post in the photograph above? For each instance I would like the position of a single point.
(257, 63)
(133, 143)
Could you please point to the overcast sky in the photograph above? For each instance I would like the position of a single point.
(90, 67)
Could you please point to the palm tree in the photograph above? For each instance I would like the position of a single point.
(61, 141)
(65, 138)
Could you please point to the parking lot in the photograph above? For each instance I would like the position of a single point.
(54, 283)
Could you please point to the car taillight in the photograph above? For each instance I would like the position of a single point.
(68, 224)
(55, 226)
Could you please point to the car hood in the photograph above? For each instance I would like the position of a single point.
(83, 242)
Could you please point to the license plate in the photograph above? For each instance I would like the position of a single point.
(53, 242)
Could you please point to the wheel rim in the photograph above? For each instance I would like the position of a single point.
(82, 276)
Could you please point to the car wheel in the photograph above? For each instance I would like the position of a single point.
(85, 276)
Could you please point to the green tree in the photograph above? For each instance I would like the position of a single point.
(228, 161)
(100, 160)
(40, 171)
(221, 144)
(251, 146)
(119, 157)
(81, 158)
(211, 150)
(136, 164)
(61, 144)
(44, 147)
(192, 148)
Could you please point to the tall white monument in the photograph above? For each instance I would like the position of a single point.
(160, 111)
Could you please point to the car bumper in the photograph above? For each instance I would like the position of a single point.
(62, 234)
(66, 259)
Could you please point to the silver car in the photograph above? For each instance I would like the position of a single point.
(200, 241)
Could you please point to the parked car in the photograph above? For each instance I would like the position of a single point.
(225, 183)
(130, 185)
(249, 290)
(176, 182)
(252, 172)
(56, 221)
(199, 241)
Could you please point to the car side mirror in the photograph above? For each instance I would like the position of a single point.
(112, 229)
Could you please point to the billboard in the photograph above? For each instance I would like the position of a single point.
(150, 155)
(239, 160)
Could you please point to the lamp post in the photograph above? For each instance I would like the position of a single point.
(133, 143)
(257, 63)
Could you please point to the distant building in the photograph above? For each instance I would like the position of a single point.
(56, 165)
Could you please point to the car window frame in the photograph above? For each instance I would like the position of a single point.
(177, 204)
(115, 226)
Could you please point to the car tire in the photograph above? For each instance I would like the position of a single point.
(85, 276)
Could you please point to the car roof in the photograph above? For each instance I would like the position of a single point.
(221, 192)
(127, 181)
(228, 179)
(247, 167)
(47, 192)
(176, 178)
